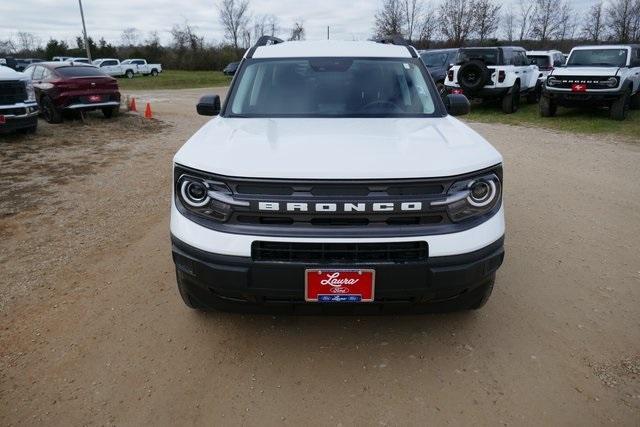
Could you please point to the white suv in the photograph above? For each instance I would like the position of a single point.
(546, 60)
(334, 177)
(601, 75)
(503, 73)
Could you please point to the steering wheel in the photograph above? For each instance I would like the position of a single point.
(383, 106)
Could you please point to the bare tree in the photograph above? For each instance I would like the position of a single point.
(130, 37)
(184, 37)
(486, 17)
(297, 32)
(428, 26)
(390, 18)
(509, 23)
(620, 19)
(546, 19)
(567, 23)
(265, 25)
(27, 42)
(525, 8)
(8, 47)
(456, 20)
(412, 11)
(594, 27)
(234, 17)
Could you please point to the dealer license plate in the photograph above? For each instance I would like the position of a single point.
(336, 286)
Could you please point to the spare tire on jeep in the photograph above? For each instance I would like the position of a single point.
(473, 75)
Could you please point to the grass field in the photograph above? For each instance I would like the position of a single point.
(593, 121)
(172, 79)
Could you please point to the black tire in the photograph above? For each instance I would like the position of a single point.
(548, 108)
(511, 101)
(620, 107)
(129, 74)
(473, 75)
(110, 112)
(533, 97)
(186, 298)
(635, 101)
(50, 112)
(154, 73)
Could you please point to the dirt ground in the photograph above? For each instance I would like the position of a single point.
(93, 332)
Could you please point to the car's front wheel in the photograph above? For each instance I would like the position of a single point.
(620, 107)
(154, 73)
(129, 74)
(548, 108)
(50, 112)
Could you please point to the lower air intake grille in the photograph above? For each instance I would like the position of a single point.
(396, 252)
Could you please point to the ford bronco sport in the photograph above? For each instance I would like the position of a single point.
(502, 73)
(335, 178)
(602, 75)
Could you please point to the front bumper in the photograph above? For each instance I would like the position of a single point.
(19, 116)
(240, 283)
(566, 98)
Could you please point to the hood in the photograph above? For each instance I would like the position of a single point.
(586, 71)
(7, 73)
(337, 148)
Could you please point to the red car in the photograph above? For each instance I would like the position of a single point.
(67, 86)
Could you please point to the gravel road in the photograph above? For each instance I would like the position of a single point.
(92, 330)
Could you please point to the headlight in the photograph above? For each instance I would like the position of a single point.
(611, 82)
(31, 93)
(472, 197)
(552, 81)
(203, 196)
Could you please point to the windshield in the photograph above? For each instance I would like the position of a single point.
(434, 59)
(598, 58)
(542, 61)
(79, 72)
(488, 56)
(332, 87)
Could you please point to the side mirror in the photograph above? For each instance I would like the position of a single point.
(457, 104)
(209, 105)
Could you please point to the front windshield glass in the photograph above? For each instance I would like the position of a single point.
(434, 59)
(598, 58)
(332, 87)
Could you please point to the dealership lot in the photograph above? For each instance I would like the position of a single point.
(93, 329)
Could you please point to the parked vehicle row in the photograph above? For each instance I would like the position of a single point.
(590, 76)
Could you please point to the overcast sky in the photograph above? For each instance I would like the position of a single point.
(348, 19)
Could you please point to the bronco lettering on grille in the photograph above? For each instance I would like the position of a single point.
(340, 207)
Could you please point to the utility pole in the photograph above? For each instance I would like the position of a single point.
(84, 32)
(327, 32)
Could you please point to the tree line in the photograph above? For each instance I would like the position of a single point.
(539, 24)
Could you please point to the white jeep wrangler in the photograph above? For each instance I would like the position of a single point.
(334, 178)
(503, 73)
(601, 75)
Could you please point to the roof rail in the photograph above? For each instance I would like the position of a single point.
(397, 40)
(263, 41)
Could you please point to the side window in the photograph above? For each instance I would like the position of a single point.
(38, 72)
(139, 62)
(508, 56)
(47, 74)
(521, 59)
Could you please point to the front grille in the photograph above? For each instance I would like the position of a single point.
(394, 252)
(12, 92)
(567, 82)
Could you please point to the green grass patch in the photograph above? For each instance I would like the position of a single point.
(172, 79)
(587, 121)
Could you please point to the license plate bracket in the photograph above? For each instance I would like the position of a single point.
(339, 285)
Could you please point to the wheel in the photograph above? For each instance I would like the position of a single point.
(511, 100)
(110, 111)
(635, 101)
(129, 74)
(50, 112)
(548, 108)
(188, 300)
(483, 294)
(620, 107)
(154, 73)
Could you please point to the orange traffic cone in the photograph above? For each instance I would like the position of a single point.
(132, 106)
(147, 112)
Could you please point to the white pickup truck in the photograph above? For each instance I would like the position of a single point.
(115, 68)
(142, 67)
